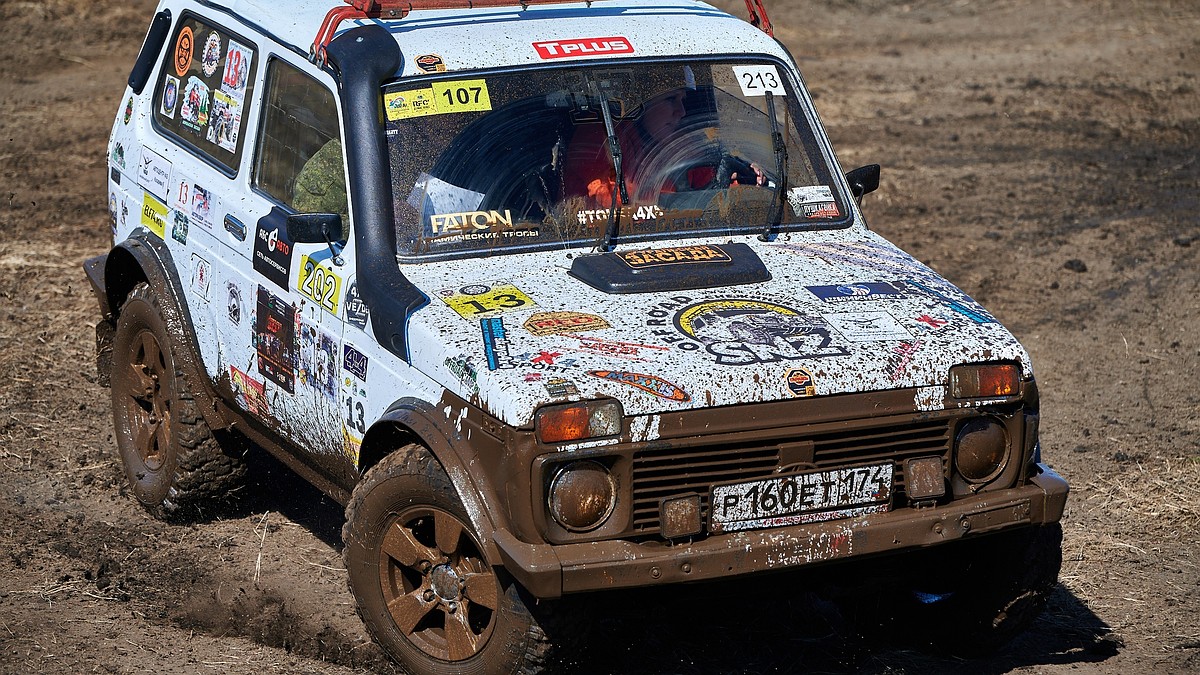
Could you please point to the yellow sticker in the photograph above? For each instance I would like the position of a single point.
(320, 283)
(481, 301)
(154, 215)
(440, 99)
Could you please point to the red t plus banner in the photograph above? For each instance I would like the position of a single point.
(558, 49)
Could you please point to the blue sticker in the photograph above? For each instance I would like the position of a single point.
(495, 344)
(355, 362)
(977, 313)
(857, 292)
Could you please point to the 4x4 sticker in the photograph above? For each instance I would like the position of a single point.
(602, 46)
(274, 335)
(185, 47)
(154, 215)
(741, 331)
(651, 384)
(273, 255)
(483, 300)
(319, 283)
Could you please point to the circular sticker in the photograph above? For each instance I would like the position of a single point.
(212, 54)
(170, 95)
(474, 289)
(185, 47)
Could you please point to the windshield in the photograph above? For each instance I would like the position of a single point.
(524, 160)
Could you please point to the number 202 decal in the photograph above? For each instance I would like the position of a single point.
(320, 284)
(758, 80)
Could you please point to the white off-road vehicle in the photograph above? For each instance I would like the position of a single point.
(554, 297)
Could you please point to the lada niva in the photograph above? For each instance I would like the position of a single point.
(554, 298)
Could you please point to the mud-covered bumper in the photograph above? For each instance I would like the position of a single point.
(551, 571)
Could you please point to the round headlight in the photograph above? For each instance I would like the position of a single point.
(981, 449)
(582, 495)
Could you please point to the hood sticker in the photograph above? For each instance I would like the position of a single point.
(485, 300)
(868, 326)
(743, 331)
(561, 323)
(656, 257)
(800, 383)
(856, 292)
(650, 384)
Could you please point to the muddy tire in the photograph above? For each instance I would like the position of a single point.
(424, 588)
(991, 590)
(175, 467)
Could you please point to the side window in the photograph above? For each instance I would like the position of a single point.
(299, 159)
(207, 78)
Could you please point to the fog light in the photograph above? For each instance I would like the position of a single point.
(924, 478)
(680, 516)
(582, 495)
(981, 449)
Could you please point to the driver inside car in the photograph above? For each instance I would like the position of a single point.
(589, 168)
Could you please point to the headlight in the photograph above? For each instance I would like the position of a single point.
(984, 380)
(980, 449)
(578, 421)
(582, 495)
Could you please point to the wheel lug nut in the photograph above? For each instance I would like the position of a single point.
(452, 606)
(427, 596)
(425, 566)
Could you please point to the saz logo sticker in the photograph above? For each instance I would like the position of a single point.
(648, 383)
(560, 323)
(603, 46)
(674, 256)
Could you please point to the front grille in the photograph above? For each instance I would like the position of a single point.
(664, 472)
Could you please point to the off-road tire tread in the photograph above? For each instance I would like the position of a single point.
(415, 460)
(204, 472)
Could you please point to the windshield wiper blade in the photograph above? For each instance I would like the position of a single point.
(781, 162)
(614, 149)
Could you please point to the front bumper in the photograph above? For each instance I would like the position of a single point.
(550, 571)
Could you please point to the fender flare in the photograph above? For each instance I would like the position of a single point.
(145, 258)
(419, 419)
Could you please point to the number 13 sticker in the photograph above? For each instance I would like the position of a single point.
(758, 80)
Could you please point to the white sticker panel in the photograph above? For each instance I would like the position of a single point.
(758, 80)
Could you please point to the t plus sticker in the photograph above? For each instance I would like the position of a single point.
(758, 80)
(602, 46)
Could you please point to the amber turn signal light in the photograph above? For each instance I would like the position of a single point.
(982, 381)
(577, 421)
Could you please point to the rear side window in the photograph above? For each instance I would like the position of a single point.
(299, 161)
(207, 80)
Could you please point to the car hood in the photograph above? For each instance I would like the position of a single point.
(843, 311)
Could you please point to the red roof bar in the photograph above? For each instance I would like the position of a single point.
(398, 9)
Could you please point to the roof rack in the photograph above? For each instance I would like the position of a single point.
(398, 9)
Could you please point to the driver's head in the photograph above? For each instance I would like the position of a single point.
(664, 112)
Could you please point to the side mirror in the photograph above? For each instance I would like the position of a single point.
(863, 180)
(316, 228)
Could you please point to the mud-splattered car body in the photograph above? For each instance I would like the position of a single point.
(624, 386)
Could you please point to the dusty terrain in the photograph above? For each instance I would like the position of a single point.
(1042, 155)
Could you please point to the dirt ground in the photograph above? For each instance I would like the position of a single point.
(1041, 155)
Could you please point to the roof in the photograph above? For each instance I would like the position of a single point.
(468, 39)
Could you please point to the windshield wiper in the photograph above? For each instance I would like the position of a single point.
(781, 162)
(614, 149)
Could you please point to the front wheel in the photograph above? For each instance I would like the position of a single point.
(424, 587)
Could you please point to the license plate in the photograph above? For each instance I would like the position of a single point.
(802, 498)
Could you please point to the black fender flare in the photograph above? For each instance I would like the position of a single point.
(142, 257)
(422, 422)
